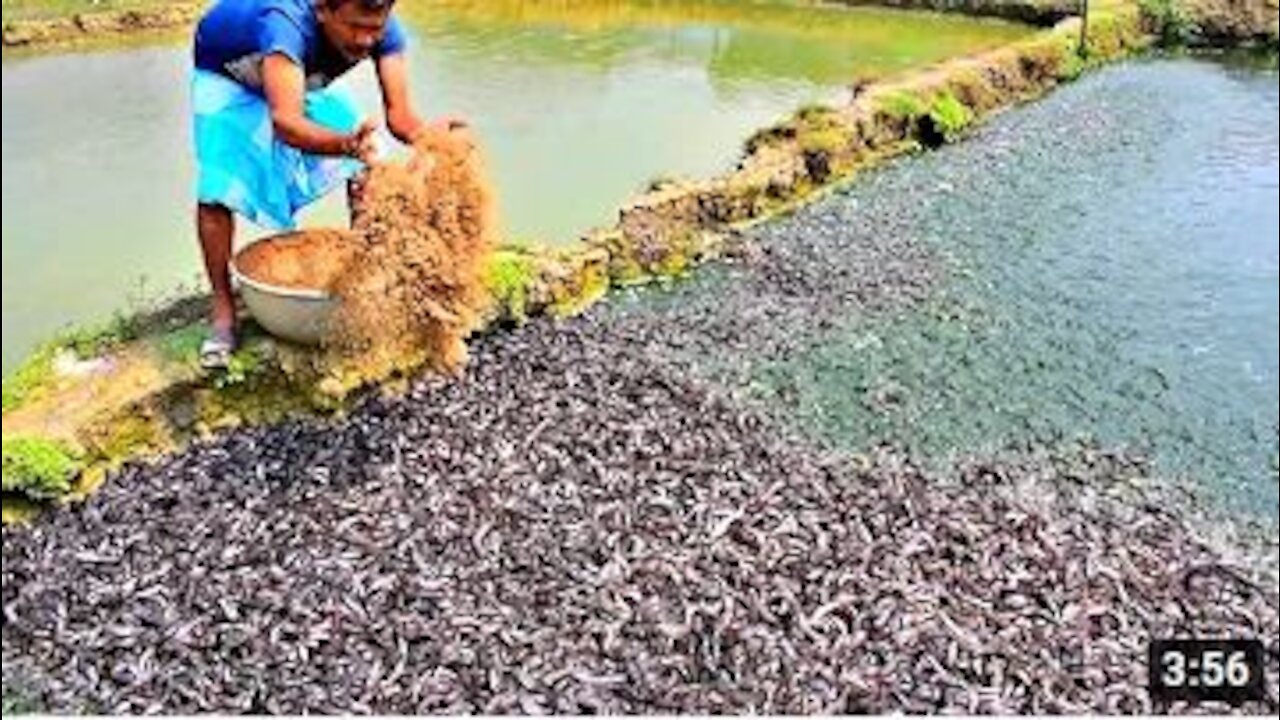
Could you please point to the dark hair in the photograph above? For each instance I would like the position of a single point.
(370, 5)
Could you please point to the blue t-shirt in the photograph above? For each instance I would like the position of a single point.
(235, 35)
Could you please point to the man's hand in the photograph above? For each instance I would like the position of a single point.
(360, 144)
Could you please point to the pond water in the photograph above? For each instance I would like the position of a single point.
(1111, 273)
(578, 107)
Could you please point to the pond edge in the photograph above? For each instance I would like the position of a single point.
(93, 401)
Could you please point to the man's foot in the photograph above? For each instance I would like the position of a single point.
(216, 350)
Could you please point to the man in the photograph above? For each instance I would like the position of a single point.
(271, 135)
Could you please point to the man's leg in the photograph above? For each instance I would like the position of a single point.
(215, 226)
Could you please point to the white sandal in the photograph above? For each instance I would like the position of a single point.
(216, 350)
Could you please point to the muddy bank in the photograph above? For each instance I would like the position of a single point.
(88, 25)
(92, 25)
(1215, 23)
(1036, 12)
(81, 26)
(1210, 22)
(1228, 22)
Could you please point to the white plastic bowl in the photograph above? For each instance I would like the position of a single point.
(300, 315)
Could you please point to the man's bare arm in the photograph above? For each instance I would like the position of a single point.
(285, 87)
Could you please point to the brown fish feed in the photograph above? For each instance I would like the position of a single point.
(416, 285)
(304, 260)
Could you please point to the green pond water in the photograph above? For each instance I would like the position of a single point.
(578, 108)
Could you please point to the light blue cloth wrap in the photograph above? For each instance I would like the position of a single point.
(243, 166)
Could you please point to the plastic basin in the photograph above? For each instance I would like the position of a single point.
(295, 313)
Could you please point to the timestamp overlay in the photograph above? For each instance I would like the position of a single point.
(1207, 670)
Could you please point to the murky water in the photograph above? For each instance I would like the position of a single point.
(579, 106)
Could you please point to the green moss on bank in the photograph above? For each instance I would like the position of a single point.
(510, 278)
(949, 116)
(31, 378)
(38, 468)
